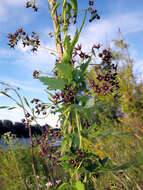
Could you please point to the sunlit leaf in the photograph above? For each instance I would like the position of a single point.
(79, 185)
(74, 6)
(3, 107)
(11, 108)
(64, 186)
(53, 83)
(65, 70)
(25, 100)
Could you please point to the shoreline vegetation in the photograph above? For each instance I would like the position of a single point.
(19, 129)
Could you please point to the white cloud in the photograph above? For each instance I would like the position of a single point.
(13, 115)
(106, 29)
(14, 2)
(2, 13)
(16, 115)
(41, 60)
(14, 10)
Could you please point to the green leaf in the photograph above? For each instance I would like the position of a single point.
(68, 8)
(65, 70)
(3, 107)
(55, 8)
(83, 100)
(75, 39)
(11, 108)
(67, 49)
(139, 158)
(81, 27)
(19, 104)
(4, 93)
(64, 186)
(66, 42)
(53, 83)
(103, 162)
(84, 66)
(77, 75)
(66, 141)
(103, 133)
(25, 100)
(79, 185)
(76, 140)
(74, 6)
(89, 129)
(33, 111)
(49, 93)
(123, 166)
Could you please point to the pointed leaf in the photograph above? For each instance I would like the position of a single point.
(84, 66)
(103, 162)
(55, 8)
(64, 186)
(3, 107)
(75, 39)
(65, 70)
(68, 8)
(74, 6)
(123, 166)
(25, 100)
(11, 108)
(79, 185)
(53, 83)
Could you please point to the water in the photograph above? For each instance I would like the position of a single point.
(26, 141)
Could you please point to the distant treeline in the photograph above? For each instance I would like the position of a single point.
(19, 128)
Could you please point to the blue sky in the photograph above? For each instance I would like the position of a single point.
(16, 66)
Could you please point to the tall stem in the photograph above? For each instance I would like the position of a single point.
(55, 23)
(32, 152)
(31, 142)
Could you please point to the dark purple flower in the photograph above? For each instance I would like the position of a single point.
(98, 90)
(107, 77)
(100, 77)
(105, 87)
(92, 84)
(57, 96)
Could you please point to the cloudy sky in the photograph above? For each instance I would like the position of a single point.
(17, 66)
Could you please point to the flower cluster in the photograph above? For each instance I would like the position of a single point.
(27, 40)
(78, 51)
(31, 4)
(94, 14)
(88, 160)
(108, 83)
(66, 96)
(106, 72)
(46, 147)
(40, 108)
(76, 157)
(28, 118)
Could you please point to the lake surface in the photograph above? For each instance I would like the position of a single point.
(26, 141)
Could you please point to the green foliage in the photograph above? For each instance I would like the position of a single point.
(74, 6)
(53, 83)
(65, 70)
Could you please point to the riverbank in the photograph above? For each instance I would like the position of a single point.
(20, 130)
